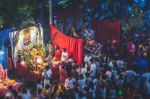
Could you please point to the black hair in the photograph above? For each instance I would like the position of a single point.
(64, 49)
(92, 60)
(39, 91)
(24, 90)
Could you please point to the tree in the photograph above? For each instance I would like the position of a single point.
(24, 11)
(1, 21)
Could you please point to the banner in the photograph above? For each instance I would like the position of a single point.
(74, 46)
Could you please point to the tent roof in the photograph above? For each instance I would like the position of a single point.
(5, 34)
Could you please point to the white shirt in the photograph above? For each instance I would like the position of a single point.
(93, 69)
(39, 86)
(109, 74)
(26, 96)
(64, 56)
(87, 59)
(47, 74)
(110, 64)
(69, 83)
(83, 70)
(91, 31)
(120, 63)
(82, 82)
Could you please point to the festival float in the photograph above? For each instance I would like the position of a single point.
(29, 52)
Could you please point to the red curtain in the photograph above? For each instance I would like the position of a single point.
(74, 46)
(106, 31)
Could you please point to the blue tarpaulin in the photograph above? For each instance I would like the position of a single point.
(3, 58)
(5, 34)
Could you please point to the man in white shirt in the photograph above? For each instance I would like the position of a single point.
(91, 32)
(109, 74)
(120, 64)
(46, 74)
(93, 68)
(64, 56)
(70, 83)
(83, 70)
(111, 64)
(87, 58)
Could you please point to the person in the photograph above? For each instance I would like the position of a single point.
(40, 94)
(9, 93)
(120, 63)
(25, 94)
(91, 31)
(15, 93)
(51, 48)
(70, 83)
(63, 74)
(74, 34)
(103, 91)
(64, 56)
(39, 84)
(47, 74)
(87, 59)
(83, 70)
(81, 83)
(58, 53)
(93, 68)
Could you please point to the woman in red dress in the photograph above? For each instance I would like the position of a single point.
(58, 53)
(62, 74)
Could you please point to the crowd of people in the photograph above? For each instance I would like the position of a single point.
(119, 74)
(117, 71)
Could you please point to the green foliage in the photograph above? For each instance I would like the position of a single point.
(14, 12)
(1, 20)
(47, 49)
(24, 10)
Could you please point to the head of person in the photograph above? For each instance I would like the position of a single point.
(92, 60)
(24, 91)
(64, 49)
(39, 91)
(57, 48)
(47, 67)
(10, 88)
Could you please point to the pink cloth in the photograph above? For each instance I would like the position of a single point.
(131, 47)
(15, 86)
